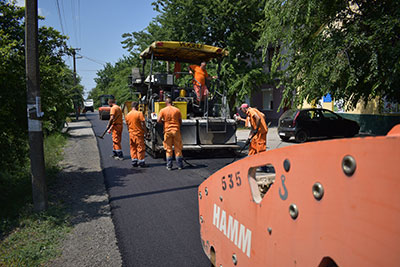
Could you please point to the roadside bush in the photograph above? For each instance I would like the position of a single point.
(16, 183)
(29, 238)
(57, 89)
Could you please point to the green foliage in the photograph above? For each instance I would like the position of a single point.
(13, 93)
(56, 85)
(16, 182)
(113, 79)
(350, 49)
(29, 238)
(228, 24)
(37, 238)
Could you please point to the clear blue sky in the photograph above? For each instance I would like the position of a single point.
(96, 27)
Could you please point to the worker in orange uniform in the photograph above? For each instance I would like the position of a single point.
(199, 82)
(172, 118)
(137, 130)
(115, 124)
(259, 129)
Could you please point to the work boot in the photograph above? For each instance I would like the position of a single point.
(134, 162)
(120, 156)
(169, 163)
(141, 164)
(179, 162)
(114, 155)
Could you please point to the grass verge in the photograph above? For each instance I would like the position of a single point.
(29, 238)
(36, 239)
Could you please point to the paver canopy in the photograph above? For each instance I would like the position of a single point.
(183, 52)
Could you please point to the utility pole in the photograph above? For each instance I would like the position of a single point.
(39, 188)
(76, 97)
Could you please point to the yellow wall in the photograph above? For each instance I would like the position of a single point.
(308, 105)
(328, 105)
(372, 108)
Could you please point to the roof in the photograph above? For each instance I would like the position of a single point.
(183, 52)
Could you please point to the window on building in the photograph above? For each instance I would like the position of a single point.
(268, 99)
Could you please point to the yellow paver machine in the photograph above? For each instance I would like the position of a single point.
(206, 123)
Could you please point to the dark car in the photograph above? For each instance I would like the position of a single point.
(314, 122)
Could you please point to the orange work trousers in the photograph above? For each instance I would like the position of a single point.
(138, 149)
(201, 92)
(173, 138)
(258, 144)
(116, 137)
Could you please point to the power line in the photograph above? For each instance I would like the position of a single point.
(63, 16)
(61, 24)
(74, 26)
(79, 21)
(93, 60)
(59, 16)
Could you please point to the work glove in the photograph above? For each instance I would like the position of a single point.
(236, 117)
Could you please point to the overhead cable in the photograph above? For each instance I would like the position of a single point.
(59, 16)
(93, 60)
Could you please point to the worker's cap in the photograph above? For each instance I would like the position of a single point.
(244, 105)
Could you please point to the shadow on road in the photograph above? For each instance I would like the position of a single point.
(154, 192)
(82, 192)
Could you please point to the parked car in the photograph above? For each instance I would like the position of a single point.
(314, 122)
(88, 105)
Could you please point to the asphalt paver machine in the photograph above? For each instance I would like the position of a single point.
(206, 125)
(104, 109)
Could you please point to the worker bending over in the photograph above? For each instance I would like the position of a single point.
(172, 118)
(137, 130)
(199, 83)
(115, 124)
(259, 129)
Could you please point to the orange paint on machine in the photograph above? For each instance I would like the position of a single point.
(325, 203)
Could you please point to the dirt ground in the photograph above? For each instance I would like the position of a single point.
(80, 185)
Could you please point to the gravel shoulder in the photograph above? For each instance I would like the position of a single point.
(80, 186)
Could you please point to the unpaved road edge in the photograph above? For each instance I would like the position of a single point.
(80, 185)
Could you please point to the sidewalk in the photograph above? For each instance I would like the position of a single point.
(80, 185)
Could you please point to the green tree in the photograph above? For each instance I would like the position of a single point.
(228, 24)
(56, 83)
(350, 49)
(113, 79)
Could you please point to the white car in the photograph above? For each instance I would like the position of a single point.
(88, 105)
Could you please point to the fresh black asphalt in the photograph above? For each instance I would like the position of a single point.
(155, 211)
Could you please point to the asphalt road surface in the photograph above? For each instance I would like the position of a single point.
(155, 211)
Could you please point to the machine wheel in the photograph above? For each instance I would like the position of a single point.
(284, 138)
(301, 136)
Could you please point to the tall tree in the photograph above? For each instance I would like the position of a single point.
(228, 24)
(113, 79)
(56, 82)
(350, 49)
